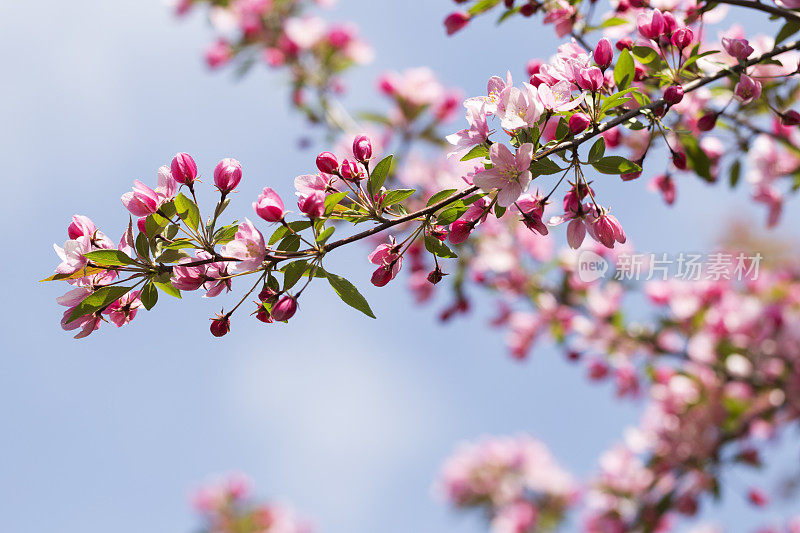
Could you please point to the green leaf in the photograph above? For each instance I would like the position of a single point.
(695, 57)
(437, 247)
(332, 200)
(615, 164)
(187, 211)
(143, 246)
(451, 214)
(597, 150)
(544, 166)
(439, 196)
(479, 150)
(379, 175)
(624, 70)
(645, 54)
(325, 235)
(375, 117)
(149, 296)
(697, 158)
(735, 172)
(613, 21)
(349, 294)
(397, 196)
(499, 211)
(788, 29)
(290, 244)
(615, 100)
(109, 258)
(170, 255)
(293, 272)
(99, 299)
(226, 234)
(168, 288)
(482, 6)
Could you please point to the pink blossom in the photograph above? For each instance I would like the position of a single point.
(738, 48)
(747, 89)
(477, 132)
(561, 13)
(456, 21)
(81, 226)
(124, 310)
(510, 174)
(227, 175)
(219, 53)
(651, 24)
(308, 184)
(269, 206)
(143, 201)
(389, 262)
(87, 323)
(519, 108)
(558, 98)
(666, 186)
(248, 247)
(312, 205)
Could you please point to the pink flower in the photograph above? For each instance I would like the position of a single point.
(747, 89)
(494, 88)
(682, 38)
(327, 163)
(651, 24)
(183, 168)
(561, 13)
(531, 208)
(389, 262)
(142, 201)
(269, 206)
(312, 205)
(219, 53)
(308, 184)
(510, 174)
(81, 226)
(362, 148)
(188, 278)
(738, 48)
(227, 175)
(87, 323)
(579, 122)
(558, 98)
(666, 186)
(477, 132)
(455, 22)
(519, 108)
(124, 310)
(606, 229)
(248, 247)
(590, 79)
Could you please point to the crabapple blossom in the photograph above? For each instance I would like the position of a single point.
(510, 174)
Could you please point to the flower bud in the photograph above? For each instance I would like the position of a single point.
(312, 205)
(81, 226)
(651, 24)
(184, 169)
(679, 160)
(220, 326)
(579, 122)
(673, 94)
(263, 315)
(790, 118)
(682, 38)
(738, 48)
(362, 148)
(269, 206)
(284, 309)
(327, 163)
(268, 294)
(707, 121)
(529, 9)
(435, 276)
(460, 230)
(626, 43)
(603, 53)
(351, 171)
(227, 175)
(141, 224)
(456, 22)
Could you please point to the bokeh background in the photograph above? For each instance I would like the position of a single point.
(347, 418)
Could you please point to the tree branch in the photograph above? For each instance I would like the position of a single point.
(772, 10)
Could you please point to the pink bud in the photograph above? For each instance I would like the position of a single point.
(284, 309)
(455, 22)
(666, 186)
(382, 276)
(435, 276)
(589, 79)
(673, 94)
(603, 53)
(679, 160)
(651, 25)
(327, 163)
(268, 294)
(141, 224)
(626, 43)
(227, 175)
(790, 118)
(184, 169)
(738, 48)
(81, 226)
(707, 121)
(351, 171)
(758, 497)
(460, 230)
(220, 326)
(269, 206)
(312, 205)
(579, 122)
(362, 148)
(263, 315)
(682, 38)
(747, 89)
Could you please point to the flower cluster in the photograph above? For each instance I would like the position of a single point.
(282, 35)
(227, 506)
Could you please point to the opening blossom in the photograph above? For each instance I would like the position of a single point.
(510, 174)
(389, 262)
(476, 134)
(248, 247)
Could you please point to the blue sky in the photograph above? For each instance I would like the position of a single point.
(345, 417)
